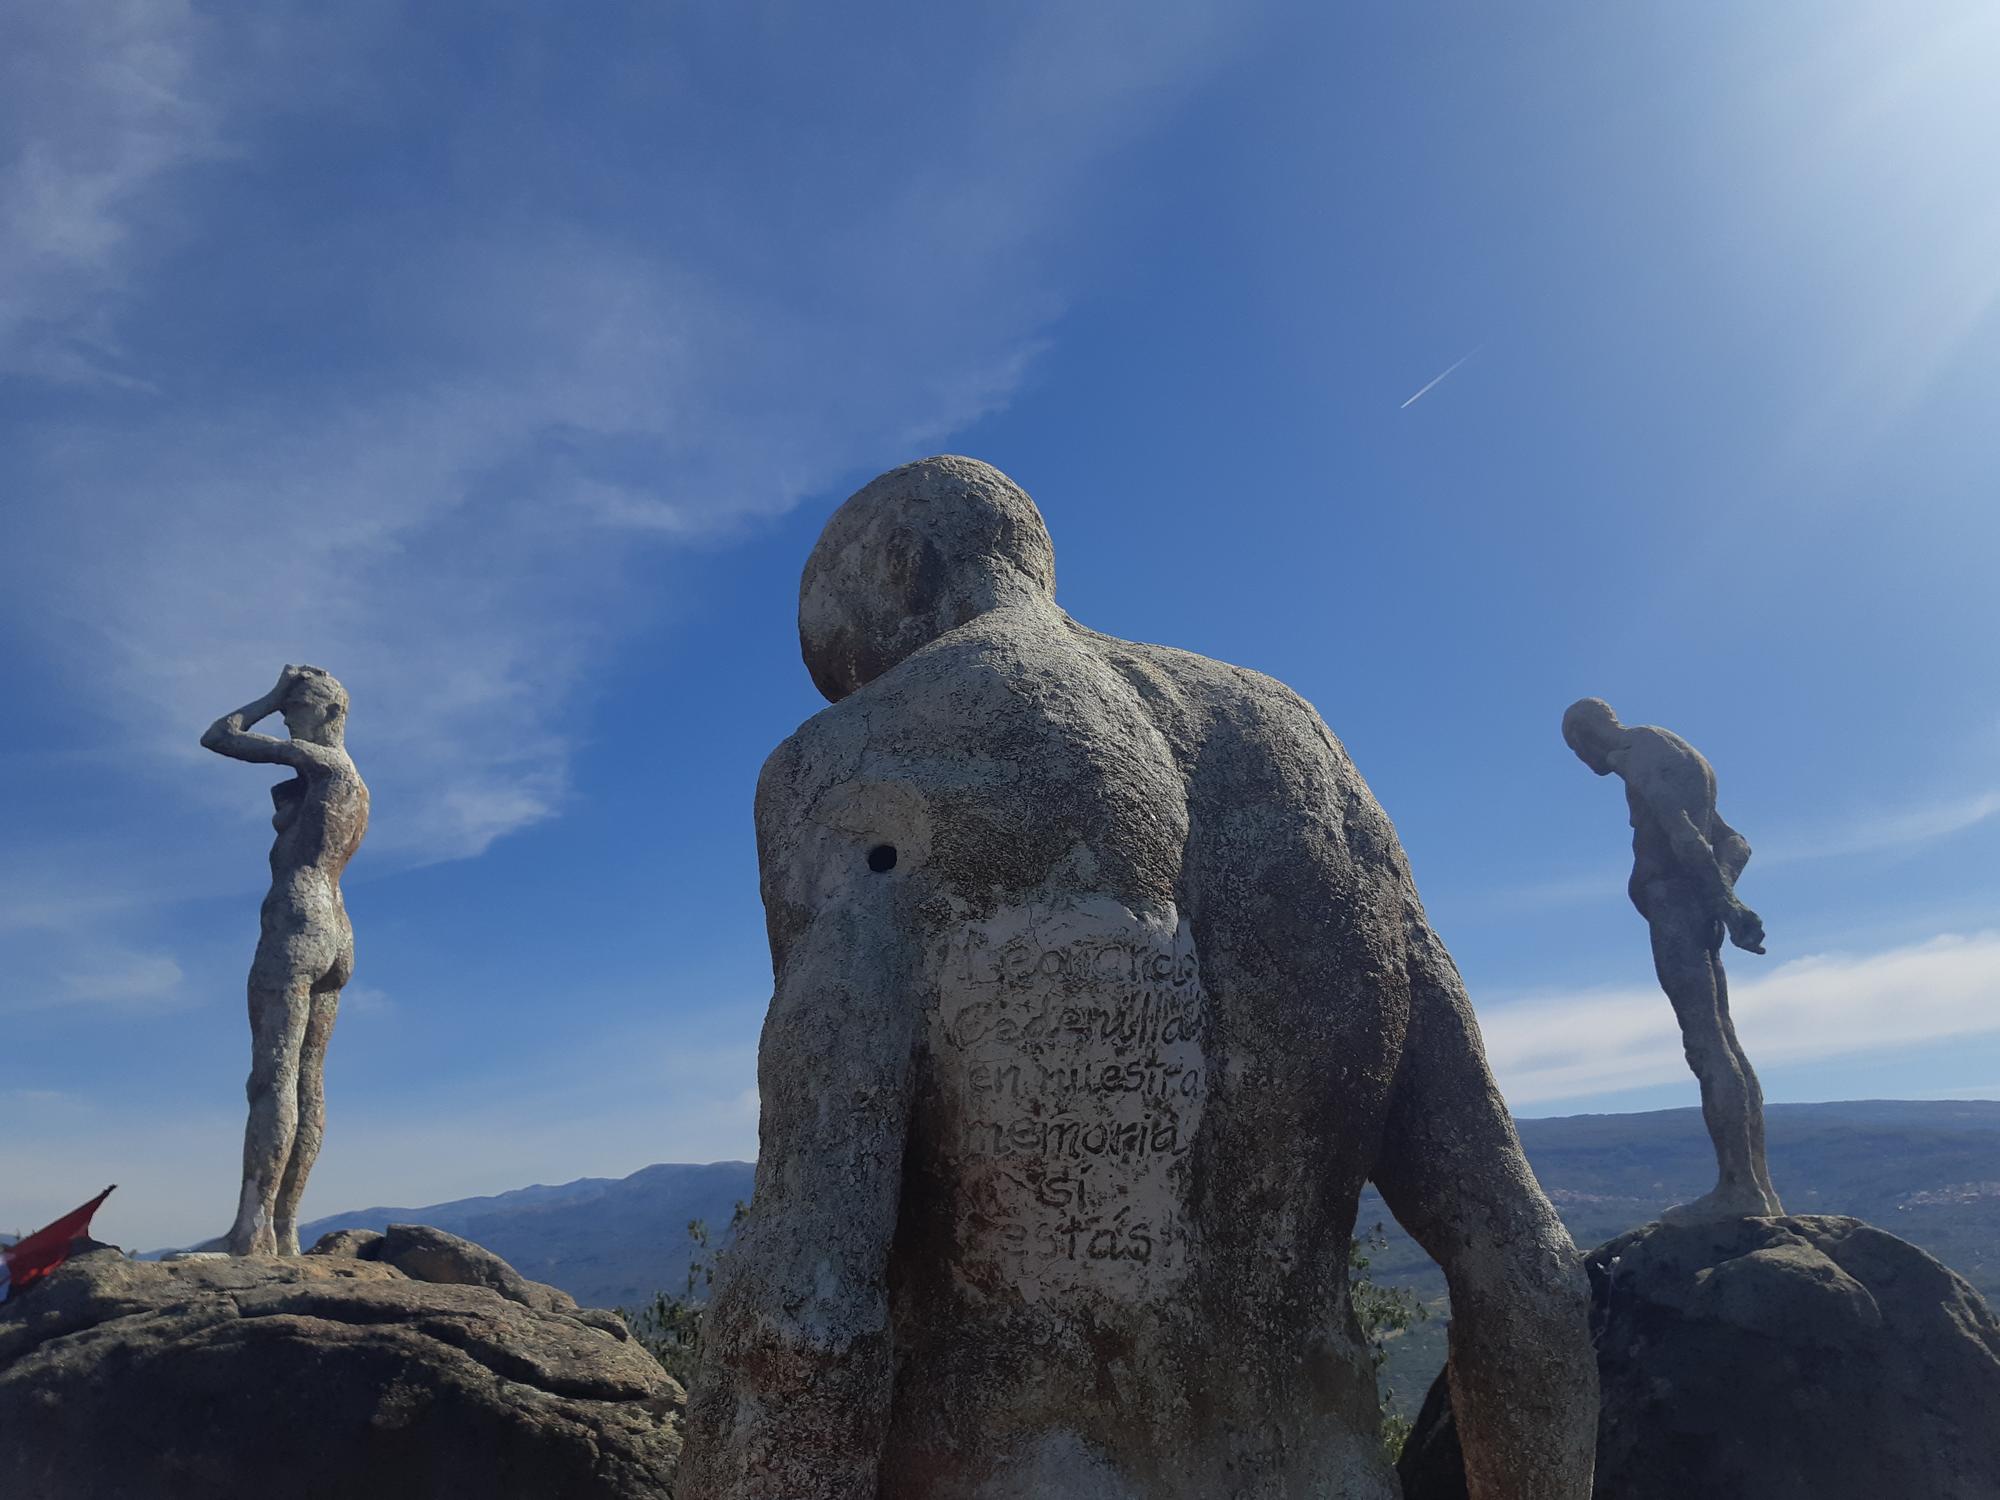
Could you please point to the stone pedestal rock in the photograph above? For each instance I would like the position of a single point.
(325, 1377)
(1803, 1358)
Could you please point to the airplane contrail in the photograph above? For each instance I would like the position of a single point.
(1453, 366)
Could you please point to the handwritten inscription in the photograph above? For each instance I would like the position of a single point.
(1073, 1038)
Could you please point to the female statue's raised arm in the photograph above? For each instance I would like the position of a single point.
(231, 735)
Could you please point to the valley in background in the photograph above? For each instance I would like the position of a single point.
(1926, 1170)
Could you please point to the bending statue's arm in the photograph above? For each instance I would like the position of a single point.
(1732, 850)
(230, 735)
(1523, 1375)
(793, 1399)
(1715, 872)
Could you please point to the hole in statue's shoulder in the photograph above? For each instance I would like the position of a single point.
(882, 858)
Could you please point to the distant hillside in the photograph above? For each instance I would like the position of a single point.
(607, 1241)
(1928, 1171)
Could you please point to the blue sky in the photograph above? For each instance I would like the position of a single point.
(506, 360)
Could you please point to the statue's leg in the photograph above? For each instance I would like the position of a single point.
(1759, 1166)
(312, 1118)
(278, 1017)
(1681, 957)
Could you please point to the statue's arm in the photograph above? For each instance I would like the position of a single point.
(1696, 855)
(794, 1396)
(1712, 868)
(1522, 1371)
(1732, 850)
(231, 734)
(1674, 788)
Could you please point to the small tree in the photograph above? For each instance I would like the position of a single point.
(669, 1327)
(1383, 1312)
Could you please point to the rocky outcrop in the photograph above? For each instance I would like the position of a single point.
(326, 1375)
(1801, 1358)
(426, 1254)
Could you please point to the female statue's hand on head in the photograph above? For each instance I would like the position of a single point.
(315, 708)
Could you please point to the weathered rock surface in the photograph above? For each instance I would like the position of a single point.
(323, 1375)
(426, 1254)
(1774, 1359)
(361, 1244)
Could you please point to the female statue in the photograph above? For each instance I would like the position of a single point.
(305, 954)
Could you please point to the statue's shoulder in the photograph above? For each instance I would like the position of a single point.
(1662, 752)
(820, 751)
(1201, 689)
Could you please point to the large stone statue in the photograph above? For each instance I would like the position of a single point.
(306, 952)
(1685, 864)
(1102, 988)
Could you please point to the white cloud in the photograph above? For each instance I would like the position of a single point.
(366, 1000)
(17, 1100)
(98, 103)
(1902, 828)
(70, 890)
(434, 443)
(454, 521)
(1575, 1045)
(122, 980)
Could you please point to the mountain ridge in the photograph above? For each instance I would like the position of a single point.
(1928, 1170)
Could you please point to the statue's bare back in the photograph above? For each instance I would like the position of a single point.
(1069, 1187)
(1102, 990)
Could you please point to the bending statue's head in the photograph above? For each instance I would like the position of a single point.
(1591, 729)
(315, 708)
(912, 555)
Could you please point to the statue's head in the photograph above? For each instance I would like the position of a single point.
(1591, 729)
(315, 708)
(914, 554)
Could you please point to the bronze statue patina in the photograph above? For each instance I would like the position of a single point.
(306, 952)
(1685, 864)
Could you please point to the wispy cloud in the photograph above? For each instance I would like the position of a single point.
(366, 1000)
(123, 980)
(1903, 828)
(1436, 379)
(98, 104)
(448, 488)
(1571, 1046)
(1898, 829)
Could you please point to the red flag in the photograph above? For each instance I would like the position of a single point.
(33, 1258)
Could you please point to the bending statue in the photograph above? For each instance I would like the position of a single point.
(1685, 864)
(306, 952)
(1102, 988)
